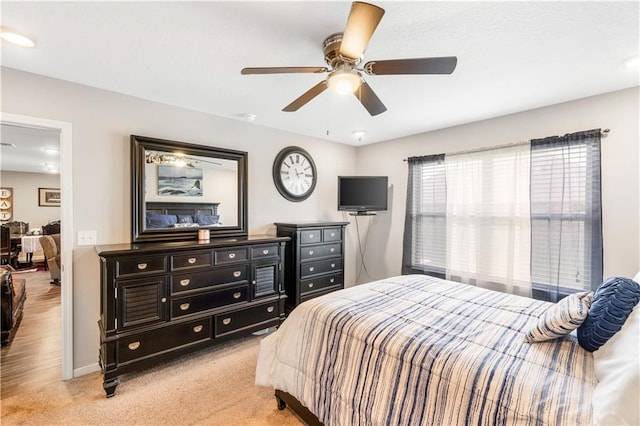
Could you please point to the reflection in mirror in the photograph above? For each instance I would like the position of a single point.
(179, 188)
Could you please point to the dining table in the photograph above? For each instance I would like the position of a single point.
(30, 244)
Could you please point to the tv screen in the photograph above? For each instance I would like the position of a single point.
(362, 193)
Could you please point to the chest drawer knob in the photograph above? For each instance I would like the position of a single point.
(265, 251)
(332, 280)
(310, 285)
(133, 346)
(310, 252)
(232, 255)
(333, 265)
(237, 295)
(332, 249)
(184, 306)
(237, 274)
(312, 235)
(192, 260)
(226, 321)
(197, 328)
(333, 234)
(270, 308)
(164, 299)
(142, 266)
(185, 282)
(311, 269)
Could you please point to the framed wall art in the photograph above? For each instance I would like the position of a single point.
(49, 197)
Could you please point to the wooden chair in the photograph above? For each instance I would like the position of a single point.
(8, 254)
(51, 228)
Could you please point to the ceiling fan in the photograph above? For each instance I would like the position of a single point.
(343, 53)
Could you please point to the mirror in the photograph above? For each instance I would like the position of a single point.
(179, 188)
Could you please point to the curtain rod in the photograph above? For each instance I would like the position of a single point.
(603, 134)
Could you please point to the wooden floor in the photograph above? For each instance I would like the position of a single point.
(35, 353)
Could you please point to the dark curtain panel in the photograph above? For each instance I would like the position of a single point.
(566, 214)
(425, 227)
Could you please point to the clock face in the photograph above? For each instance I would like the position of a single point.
(294, 173)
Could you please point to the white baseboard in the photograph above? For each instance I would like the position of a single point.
(87, 369)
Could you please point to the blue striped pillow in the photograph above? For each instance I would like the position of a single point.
(612, 303)
(561, 319)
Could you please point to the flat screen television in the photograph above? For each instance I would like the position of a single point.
(362, 194)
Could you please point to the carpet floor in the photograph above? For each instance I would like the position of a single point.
(213, 386)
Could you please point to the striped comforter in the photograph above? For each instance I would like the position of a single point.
(415, 350)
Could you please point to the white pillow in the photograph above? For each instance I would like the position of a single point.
(617, 368)
(560, 319)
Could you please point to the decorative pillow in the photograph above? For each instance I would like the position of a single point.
(615, 397)
(561, 318)
(185, 218)
(612, 304)
(205, 219)
(157, 220)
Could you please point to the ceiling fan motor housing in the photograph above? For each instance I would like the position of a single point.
(331, 50)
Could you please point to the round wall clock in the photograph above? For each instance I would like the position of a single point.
(294, 173)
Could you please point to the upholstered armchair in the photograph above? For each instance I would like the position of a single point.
(51, 248)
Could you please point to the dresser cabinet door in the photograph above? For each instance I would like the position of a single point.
(141, 302)
(265, 280)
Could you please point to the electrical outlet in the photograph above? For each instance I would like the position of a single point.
(87, 238)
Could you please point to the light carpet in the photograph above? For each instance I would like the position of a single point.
(213, 386)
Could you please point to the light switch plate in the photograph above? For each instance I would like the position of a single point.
(87, 238)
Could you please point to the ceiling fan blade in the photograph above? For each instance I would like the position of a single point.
(362, 22)
(283, 70)
(369, 99)
(306, 97)
(444, 65)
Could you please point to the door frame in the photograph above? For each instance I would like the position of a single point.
(64, 129)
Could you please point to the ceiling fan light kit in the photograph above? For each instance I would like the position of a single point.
(343, 53)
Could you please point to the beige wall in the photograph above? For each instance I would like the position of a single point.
(102, 124)
(25, 196)
(618, 111)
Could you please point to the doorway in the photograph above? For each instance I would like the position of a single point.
(66, 217)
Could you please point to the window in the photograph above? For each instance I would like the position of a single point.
(524, 219)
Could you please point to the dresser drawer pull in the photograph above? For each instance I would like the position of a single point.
(192, 260)
(311, 269)
(164, 299)
(310, 285)
(133, 346)
(142, 266)
(237, 274)
(232, 255)
(332, 249)
(184, 306)
(226, 321)
(312, 235)
(265, 251)
(185, 282)
(333, 234)
(198, 328)
(310, 252)
(237, 295)
(332, 280)
(270, 308)
(333, 265)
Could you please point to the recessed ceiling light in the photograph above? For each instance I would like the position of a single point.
(359, 134)
(50, 149)
(632, 62)
(16, 38)
(249, 117)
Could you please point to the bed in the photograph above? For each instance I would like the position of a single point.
(172, 215)
(416, 349)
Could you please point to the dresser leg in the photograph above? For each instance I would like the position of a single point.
(110, 387)
(281, 404)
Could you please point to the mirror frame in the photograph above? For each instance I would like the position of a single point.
(141, 144)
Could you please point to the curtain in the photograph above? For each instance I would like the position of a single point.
(566, 214)
(487, 219)
(425, 236)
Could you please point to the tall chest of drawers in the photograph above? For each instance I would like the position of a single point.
(160, 300)
(314, 260)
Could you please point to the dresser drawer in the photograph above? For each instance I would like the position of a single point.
(320, 283)
(191, 260)
(261, 252)
(230, 256)
(316, 252)
(310, 236)
(181, 306)
(237, 320)
(331, 234)
(196, 280)
(171, 337)
(320, 267)
(140, 265)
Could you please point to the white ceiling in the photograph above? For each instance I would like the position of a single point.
(512, 56)
(28, 152)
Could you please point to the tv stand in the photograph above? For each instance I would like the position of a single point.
(362, 214)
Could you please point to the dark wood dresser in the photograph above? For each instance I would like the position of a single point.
(314, 260)
(160, 300)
